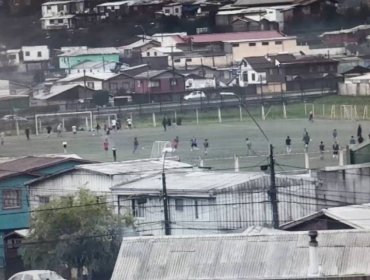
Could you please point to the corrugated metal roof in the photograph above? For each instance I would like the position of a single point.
(227, 257)
(356, 216)
(28, 164)
(132, 166)
(195, 182)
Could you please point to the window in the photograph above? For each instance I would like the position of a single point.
(154, 84)
(155, 54)
(48, 7)
(113, 86)
(44, 199)
(12, 199)
(265, 43)
(166, 11)
(245, 76)
(125, 85)
(90, 85)
(39, 54)
(235, 45)
(253, 77)
(138, 207)
(179, 205)
(321, 68)
(188, 60)
(27, 53)
(60, 8)
(176, 10)
(14, 57)
(173, 82)
(147, 53)
(278, 42)
(252, 44)
(177, 60)
(196, 209)
(60, 21)
(138, 84)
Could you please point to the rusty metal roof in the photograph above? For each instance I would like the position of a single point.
(30, 164)
(239, 257)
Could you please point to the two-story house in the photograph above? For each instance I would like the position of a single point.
(14, 196)
(172, 9)
(35, 58)
(60, 14)
(159, 85)
(286, 72)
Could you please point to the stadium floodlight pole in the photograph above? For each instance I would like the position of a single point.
(272, 192)
(142, 29)
(167, 227)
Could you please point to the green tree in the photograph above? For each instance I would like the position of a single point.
(100, 98)
(75, 232)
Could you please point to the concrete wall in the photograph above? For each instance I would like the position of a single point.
(66, 62)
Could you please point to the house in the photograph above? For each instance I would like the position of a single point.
(73, 56)
(14, 174)
(286, 72)
(35, 58)
(67, 97)
(334, 218)
(172, 9)
(236, 46)
(113, 10)
(355, 35)
(252, 19)
(158, 84)
(98, 178)
(60, 14)
(135, 49)
(112, 82)
(341, 254)
(212, 202)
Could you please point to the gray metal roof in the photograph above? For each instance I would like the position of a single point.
(141, 166)
(239, 257)
(355, 216)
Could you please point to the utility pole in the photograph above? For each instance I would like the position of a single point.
(273, 191)
(167, 228)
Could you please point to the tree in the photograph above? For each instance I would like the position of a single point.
(74, 232)
(100, 98)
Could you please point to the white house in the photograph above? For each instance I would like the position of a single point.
(35, 53)
(253, 71)
(211, 202)
(193, 81)
(35, 57)
(98, 178)
(173, 9)
(60, 14)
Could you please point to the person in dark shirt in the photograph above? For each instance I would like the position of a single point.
(288, 143)
(322, 150)
(335, 150)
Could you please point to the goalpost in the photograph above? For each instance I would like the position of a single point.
(88, 114)
(159, 147)
(107, 115)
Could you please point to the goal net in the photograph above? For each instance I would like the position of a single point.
(160, 147)
(82, 120)
(348, 112)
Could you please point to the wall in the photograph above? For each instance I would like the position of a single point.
(353, 89)
(245, 50)
(165, 84)
(344, 185)
(191, 83)
(66, 62)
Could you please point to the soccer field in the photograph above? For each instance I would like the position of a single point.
(226, 140)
